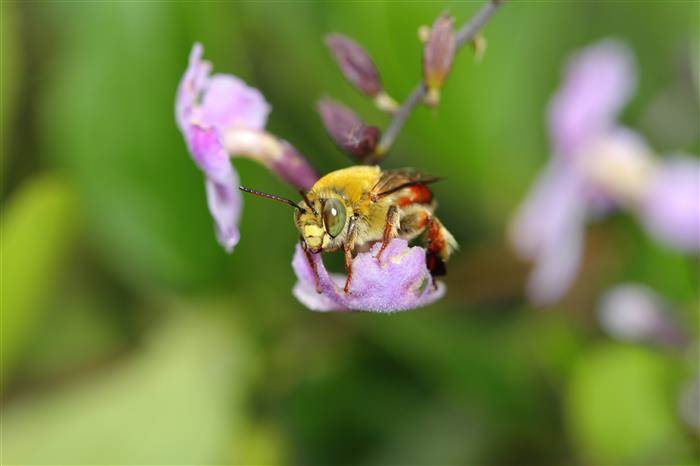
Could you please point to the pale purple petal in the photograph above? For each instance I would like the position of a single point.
(225, 205)
(671, 208)
(223, 197)
(598, 82)
(227, 102)
(206, 151)
(400, 282)
(191, 86)
(548, 230)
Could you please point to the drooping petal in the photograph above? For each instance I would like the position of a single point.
(598, 82)
(227, 102)
(548, 230)
(671, 207)
(223, 198)
(400, 282)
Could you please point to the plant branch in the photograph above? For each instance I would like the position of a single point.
(464, 35)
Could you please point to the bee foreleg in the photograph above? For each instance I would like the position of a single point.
(312, 263)
(391, 229)
(348, 249)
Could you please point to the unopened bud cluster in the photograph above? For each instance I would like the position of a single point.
(345, 128)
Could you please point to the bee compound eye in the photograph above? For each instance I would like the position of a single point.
(334, 217)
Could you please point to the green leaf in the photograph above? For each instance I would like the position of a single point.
(177, 401)
(38, 228)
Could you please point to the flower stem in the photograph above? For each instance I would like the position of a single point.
(466, 34)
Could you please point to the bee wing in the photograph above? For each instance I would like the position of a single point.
(392, 181)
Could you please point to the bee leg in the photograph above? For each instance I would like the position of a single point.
(312, 263)
(441, 244)
(348, 249)
(391, 229)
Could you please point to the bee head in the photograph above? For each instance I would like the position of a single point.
(321, 222)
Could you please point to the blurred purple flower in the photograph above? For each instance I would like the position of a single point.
(671, 207)
(635, 312)
(548, 228)
(400, 282)
(597, 164)
(220, 115)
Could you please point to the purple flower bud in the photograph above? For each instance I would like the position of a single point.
(399, 283)
(355, 63)
(671, 207)
(439, 52)
(346, 129)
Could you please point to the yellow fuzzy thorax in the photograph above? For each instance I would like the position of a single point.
(351, 182)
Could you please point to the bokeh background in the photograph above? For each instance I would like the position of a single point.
(130, 337)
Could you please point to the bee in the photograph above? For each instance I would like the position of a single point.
(356, 207)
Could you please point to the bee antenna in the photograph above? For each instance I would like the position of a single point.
(274, 197)
(308, 202)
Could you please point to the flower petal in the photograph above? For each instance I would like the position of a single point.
(223, 198)
(400, 282)
(548, 230)
(227, 102)
(190, 87)
(599, 81)
(671, 208)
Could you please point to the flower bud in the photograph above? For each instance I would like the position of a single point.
(346, 129)
(439, 52)
(355, 63)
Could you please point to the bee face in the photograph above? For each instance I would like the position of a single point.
(322, 223)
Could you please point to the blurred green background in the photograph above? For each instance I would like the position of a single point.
(130, 337)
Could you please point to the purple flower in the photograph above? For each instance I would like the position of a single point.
(220, 115)
(548, 229)
(671, 206)
(598, 164)
(399, 282)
